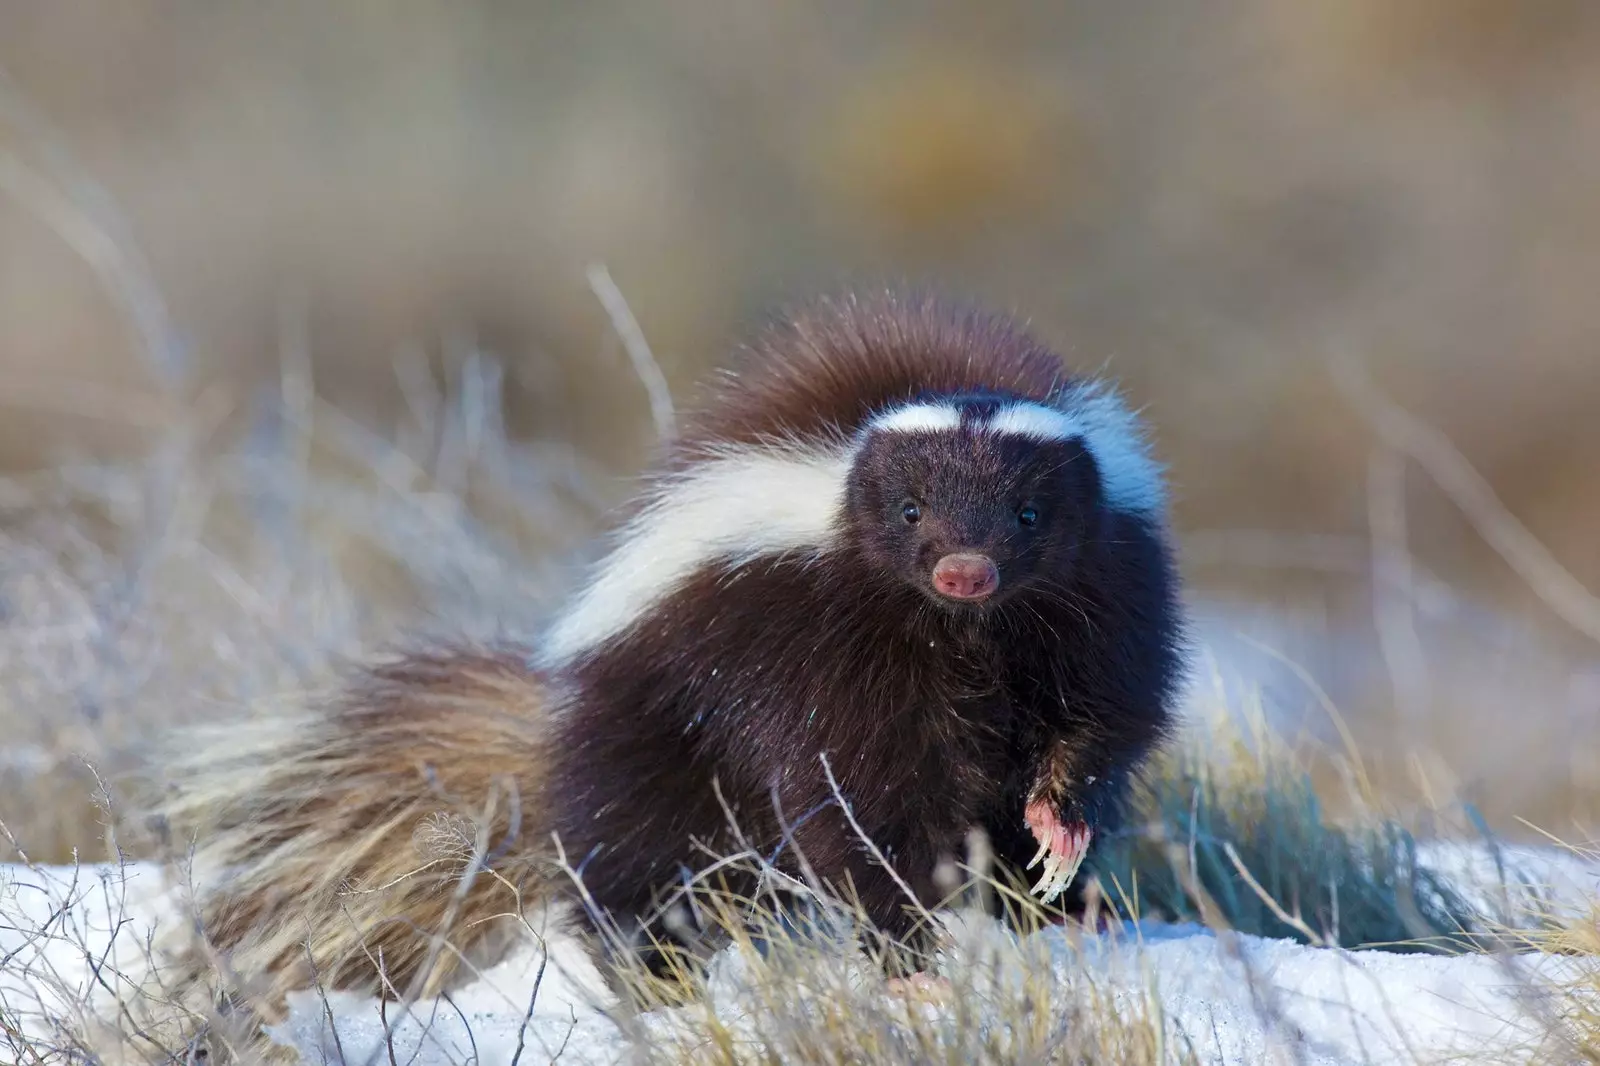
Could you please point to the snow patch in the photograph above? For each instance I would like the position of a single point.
(1238, 999)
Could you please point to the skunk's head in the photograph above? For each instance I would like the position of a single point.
(945, 448)
(972, 500)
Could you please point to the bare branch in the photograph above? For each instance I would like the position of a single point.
(1393, 597)
(80, 213)
(644, 362)
(1504, 532)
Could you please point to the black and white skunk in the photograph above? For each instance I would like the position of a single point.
(898, 543)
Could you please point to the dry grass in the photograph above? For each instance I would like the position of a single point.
(1580, 1003)
(801, 993)
(217, 574)
(1571, 1001)
(775, 991)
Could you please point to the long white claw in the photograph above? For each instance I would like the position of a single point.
(1077, 864)
(1060, 870)
(1044, 849)
(1053, 889)
(1065, 874)
(1051, 865)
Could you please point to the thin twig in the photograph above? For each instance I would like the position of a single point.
(1393, 599)
(562, 1050)
(1294, 922)
(644, 362)
(466, 1026)
(80, 213)
(383, 1009)
(867, 842)
(1553, 583)
(527, 1015)
(327, 1005)
(463, 887)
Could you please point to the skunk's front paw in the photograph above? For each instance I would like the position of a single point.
(1062, 846)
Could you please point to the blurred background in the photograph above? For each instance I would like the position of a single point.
(1210, 203)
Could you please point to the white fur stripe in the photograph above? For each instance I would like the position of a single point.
(743, 505)
(1133, 482)
(919, 418)
(1036, 421)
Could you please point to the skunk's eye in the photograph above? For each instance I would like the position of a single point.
(1028, 516)
(911, 512)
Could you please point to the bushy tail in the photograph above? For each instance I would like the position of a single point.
(371, 841)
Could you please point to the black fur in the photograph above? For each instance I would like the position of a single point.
(935, 716)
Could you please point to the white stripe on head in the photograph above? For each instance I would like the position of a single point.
(1036, 421)
(1133, 482)
(918, 418)
(1090, 411)
(741, 505)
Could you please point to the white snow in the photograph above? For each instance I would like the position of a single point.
(1331, 1006)
(60, 927)
(1516, 878)
(1243, 999)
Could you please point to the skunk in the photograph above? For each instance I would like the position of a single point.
(900, 575)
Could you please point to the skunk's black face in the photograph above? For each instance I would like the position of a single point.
(968, 517)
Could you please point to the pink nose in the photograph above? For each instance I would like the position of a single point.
(965, 577)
